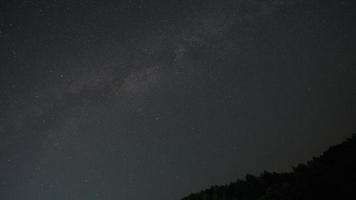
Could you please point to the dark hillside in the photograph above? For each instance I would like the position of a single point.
(330, 176)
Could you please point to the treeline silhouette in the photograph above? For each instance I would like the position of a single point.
(330, 176)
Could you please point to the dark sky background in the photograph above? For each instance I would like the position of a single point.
(157, 99)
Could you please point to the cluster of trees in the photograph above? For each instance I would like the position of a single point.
(330, 176)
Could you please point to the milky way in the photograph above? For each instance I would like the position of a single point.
(156, 99)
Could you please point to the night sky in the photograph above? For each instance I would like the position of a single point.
(157, 99)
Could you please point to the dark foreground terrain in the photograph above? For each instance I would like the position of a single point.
(330, 176)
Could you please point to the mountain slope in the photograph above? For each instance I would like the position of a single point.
(330, 176)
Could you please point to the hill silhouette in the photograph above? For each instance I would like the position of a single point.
(330, 176)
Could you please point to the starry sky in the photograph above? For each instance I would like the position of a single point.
(157, 99)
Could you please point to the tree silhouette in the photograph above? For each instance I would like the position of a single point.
(330, 176)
